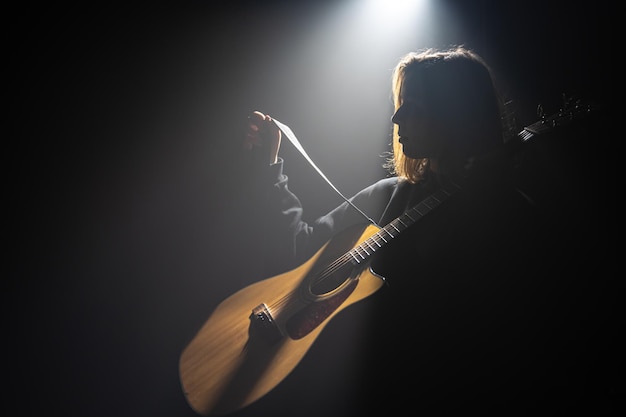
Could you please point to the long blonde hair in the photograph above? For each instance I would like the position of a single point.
(461, 90)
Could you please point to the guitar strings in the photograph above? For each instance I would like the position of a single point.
(399, 224)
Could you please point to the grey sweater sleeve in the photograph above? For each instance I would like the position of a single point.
(291, 240)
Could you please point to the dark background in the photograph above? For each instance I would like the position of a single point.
(120, 170)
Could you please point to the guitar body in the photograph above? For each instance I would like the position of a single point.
(258, 335)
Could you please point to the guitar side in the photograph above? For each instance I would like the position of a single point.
(247, 347)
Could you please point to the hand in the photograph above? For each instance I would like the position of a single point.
(262, 133)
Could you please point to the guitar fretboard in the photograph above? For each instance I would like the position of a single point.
(362, 252)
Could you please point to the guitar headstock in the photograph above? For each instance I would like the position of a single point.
(573, 110)
(551, 155)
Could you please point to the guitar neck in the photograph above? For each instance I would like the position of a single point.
(363, 252)
(571, 112)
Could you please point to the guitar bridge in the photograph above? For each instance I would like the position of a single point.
(263, 323)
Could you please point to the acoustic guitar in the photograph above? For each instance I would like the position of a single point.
(257, 336)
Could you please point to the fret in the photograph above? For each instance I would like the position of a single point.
(355, 251)
(433, 202)
(354, 257)
(368, 247)
(409, 216)
(389, 232)
(373, 249)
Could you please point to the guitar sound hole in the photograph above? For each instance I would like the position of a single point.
(311, 316)
(328, 281)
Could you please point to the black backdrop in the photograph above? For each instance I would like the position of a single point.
(121, 238)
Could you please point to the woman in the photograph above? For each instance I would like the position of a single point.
(465, 323)
(448, 128)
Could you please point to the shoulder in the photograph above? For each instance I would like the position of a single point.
(385, 186)
(373, 198)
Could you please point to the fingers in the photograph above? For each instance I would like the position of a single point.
(261, 131)
(253, 136)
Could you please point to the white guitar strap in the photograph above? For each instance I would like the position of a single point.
(292, 137)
